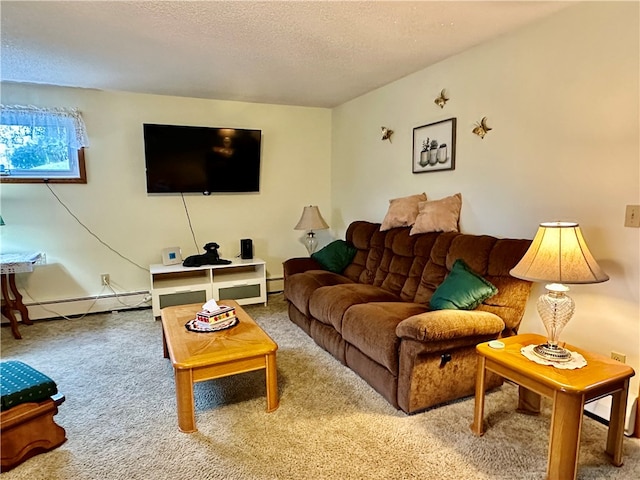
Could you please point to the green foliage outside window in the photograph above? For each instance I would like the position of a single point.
(41, 144)
(37, 147)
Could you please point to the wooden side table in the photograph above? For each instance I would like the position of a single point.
(10, 264)
(570, 391)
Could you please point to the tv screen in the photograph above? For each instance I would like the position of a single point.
(183, 159)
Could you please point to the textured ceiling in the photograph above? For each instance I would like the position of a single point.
(308, 53)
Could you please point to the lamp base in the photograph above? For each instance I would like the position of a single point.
(556, 309)
(310, 242)
(552, 353)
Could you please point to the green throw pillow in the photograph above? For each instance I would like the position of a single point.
(336, 256)
(463, 289)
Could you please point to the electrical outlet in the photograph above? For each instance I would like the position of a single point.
(104, 279)
(632, 216)
(621, 357)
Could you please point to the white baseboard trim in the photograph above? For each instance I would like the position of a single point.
(81, 306)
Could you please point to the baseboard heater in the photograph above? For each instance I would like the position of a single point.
(108, 303)
(275, 285)
(81, 305)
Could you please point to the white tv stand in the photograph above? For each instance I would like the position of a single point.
(242, 280)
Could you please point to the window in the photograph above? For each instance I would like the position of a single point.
(42, 144)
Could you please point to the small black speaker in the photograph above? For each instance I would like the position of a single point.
(246, 248)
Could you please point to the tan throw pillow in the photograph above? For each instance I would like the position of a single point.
(402, 212)
(438, 215)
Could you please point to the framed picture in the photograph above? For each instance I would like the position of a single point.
(171, 256)
(434, 146)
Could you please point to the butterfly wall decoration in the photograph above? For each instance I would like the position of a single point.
(481, 128)
(442, 99)
(386, 133)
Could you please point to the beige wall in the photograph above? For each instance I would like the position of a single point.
(562, 97)
(114, 204)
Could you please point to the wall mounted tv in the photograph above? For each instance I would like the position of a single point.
(184, 159)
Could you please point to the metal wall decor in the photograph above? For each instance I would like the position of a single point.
(481, 128)
(442, 99)
(434, 146)
(386, 133)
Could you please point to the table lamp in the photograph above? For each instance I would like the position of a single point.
(559, 255)
(311, 220)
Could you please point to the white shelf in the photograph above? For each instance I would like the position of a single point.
(242, 280)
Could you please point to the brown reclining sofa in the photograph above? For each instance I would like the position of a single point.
(374, 316)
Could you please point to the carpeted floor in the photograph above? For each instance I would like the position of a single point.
(121, 422)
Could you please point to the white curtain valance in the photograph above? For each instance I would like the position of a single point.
(31, 116)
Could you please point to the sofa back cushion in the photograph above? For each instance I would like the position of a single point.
(362, 268)
(413, 266)
(435, 270)
(403, 260)
(391, 259)
(510, 301)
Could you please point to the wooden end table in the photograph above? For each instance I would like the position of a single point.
(197, 357)
(10, 264)
(570, 391)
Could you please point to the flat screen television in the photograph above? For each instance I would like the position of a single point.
(185, 159)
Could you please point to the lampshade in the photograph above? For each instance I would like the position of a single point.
(311, 219)
(559, 254)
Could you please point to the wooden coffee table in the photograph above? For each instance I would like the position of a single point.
(569, 389)
(197, 357)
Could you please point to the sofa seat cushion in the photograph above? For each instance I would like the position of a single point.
(371, 328)
(328, 304)
(299, 286)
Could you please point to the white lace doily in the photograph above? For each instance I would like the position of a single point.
(577, 360)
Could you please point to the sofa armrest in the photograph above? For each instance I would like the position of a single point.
(299, 265)
(441, 325)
